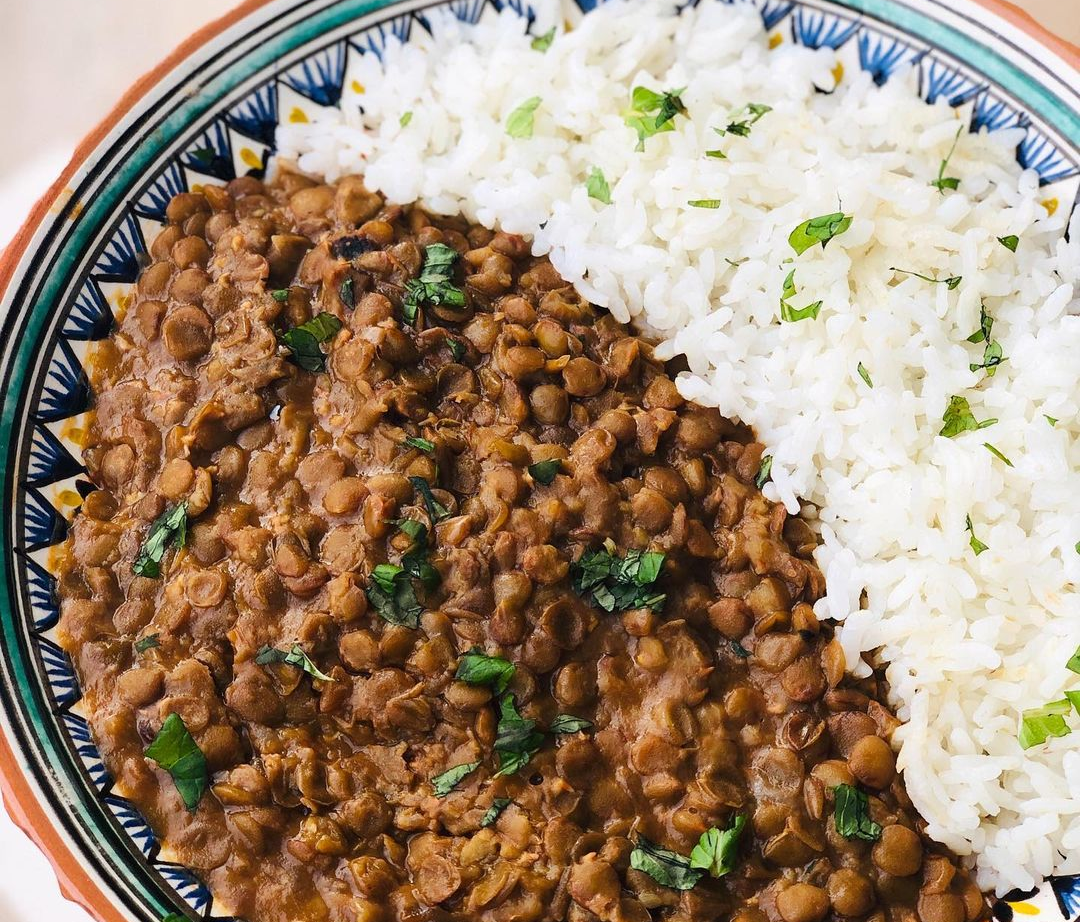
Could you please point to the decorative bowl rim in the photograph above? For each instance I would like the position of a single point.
(19, 798)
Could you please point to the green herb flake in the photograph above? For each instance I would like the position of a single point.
(711, 203)
(347, 292)
(953, 282)
(435, 284)
(417, 531)
(457, 349)
(1076, 547)
(406, 117)
(516, 738)
(764, 472)
(149, 642)
(168, 530)
(865, 375)
(819, 230)
(175, 750)
(997, 454)
(652, 113)
(544, 472)
(519, 124)
(543, 42)
(1052, 420)
(497, 806)
(959, 418)
(616, 584)
(294, 656)
(435, 510)
(735, 263)
(716, 154)
(986, 325)
(477, 668)
(667, 868)
(424, 445)
(304, 341)
(1073, 665)
(568, 723)
(446, 782)
(741, 127)
(1037, 725)
(976, 545)
(597, 186)
(993, 355)
(391, 594)
(790, 314)
(739, 650)
(280, 295)
(944, 182)
(717, 849)
(1010, 243)
(852, 815)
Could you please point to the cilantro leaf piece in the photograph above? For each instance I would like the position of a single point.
(865, 375)
(568, 723)
(667, 868)
(597, 186)
(545, 471)
(391, 594)
(976, 545)
(346, 293)
(497, 806)
(516, 738)
(993, 355)
(414, 529)
(1052, 420)
(519, 124)
(953, 282)
(619, 584)
(304, 341)
(175, 750)
(1010, 242)
(543, 42)
(711, 203)
(764, 472)
(997, 454)
(852, 815)
(741, 128)
(424, 445)
(477, 668)
(716, 154)
(819, 230)
(1037, 725)
(1073, 665)
(959, 418)
(435, 284)
(168, 529)
(406, 117)
(280, 295)
(457, 349)
(790, 314)
(739, 650)
(444, 783)
(717, 849)
(294, 656)
(147, 643)
(986, 324)
(652, 113)
(435, 510)
(944, 182)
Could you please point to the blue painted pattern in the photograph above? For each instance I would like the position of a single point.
(319, 77)
(119, 260)
(50, 461)
(90, 317)
(164, 186)
(62, 680)
(43, 526)
(66, 391)
(257, 116)
(1037, 152)
(211, 155)
(42, 586)
(815, 29)
(881, 55)
(944, 82)
(398, 29)
(79, 733)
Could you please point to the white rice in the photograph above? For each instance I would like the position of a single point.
(970, 641)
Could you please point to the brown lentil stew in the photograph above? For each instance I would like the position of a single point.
(723, 698)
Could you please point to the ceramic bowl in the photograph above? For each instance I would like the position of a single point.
(209, 114)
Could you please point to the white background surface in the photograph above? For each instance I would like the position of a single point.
(52, 91)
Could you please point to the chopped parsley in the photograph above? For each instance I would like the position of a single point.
(147, 643)
(477, 668)
(406, 117)
(764, 472)
(544, 471)
(997, 454)
(667, 868)
(976, 545)
(993, 355)
(497, 806)
(568, 723)
(1010, 242)
(959, 418)
(424, 445)
(741, 128)
(457, 349)
(735, 263)
(347, 292)
(652, 113)
(953, 282)
(717, 849)
(435, 510)
(516, 738)
(175, 750)
(1052, 420)
(619, 584)
(944, 182)
(1037, 725)
(435, 282)
(168, 529)
(852, 815)
(597, 186)
(790, 314)
(519, 124)
(711, 203)
(391, 594)
(415, 561)
(819, 230)
(716, 154)
(543, 42)
(304, 341)
(865, 375)
(446, 782)
(1073, 665)
(294, 656)
(280, 294)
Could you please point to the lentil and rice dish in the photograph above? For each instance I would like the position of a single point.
(412, 589)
